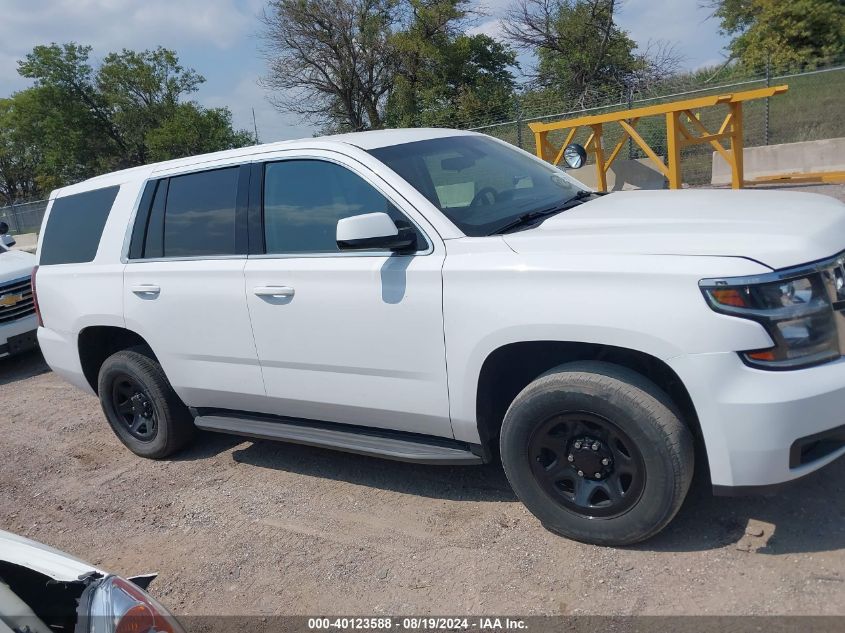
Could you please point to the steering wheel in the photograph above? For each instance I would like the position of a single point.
(485, 197)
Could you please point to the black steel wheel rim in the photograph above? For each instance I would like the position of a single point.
(588, 464)
(134, 408)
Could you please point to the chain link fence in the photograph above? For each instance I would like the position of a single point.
(25, 217)
(810, 110)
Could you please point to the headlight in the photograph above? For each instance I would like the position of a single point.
(118, 606)
(797, 313)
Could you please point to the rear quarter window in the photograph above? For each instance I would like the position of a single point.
(75, 226)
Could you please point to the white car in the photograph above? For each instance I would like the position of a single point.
(44, 590)
(443, 297)
(18, 323)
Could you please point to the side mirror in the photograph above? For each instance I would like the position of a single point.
(373, 231)
(4, 228)
(575, 155)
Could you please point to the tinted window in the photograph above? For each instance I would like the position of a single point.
(75, 226)
(478, 183)
(199, 215)
(304, 199)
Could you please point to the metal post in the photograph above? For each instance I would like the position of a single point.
(518, 122)
(737, 174)
(768, 83)
(630, 107)
(673, 149)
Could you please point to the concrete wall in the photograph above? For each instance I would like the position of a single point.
(788, 158)
(623, 175)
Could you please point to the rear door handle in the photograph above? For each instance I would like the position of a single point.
(146, 289)
(273, 291)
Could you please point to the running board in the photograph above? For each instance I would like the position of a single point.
(373, 442)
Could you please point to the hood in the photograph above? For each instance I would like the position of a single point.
(15, 264)
(776, 228)
(41, 558)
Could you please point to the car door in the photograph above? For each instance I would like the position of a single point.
(183, 286)
(343, 336)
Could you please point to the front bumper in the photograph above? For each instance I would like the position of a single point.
(18, 336)
(763, 428)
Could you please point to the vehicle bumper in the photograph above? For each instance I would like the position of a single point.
(18, 336)
(763, 428)
(62, 355)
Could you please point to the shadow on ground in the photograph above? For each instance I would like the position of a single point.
(806, 516)
(26, 365)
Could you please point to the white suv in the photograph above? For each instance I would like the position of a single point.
(443, 297)
(18, 322)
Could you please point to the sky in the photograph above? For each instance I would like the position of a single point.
(221, 40)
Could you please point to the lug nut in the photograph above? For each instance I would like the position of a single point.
(595, 446)
(571, 458)
(598, 475)
(580, 473)
(605, 461)
(577, 444)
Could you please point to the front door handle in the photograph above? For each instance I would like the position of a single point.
(146, 289)
(273, 291)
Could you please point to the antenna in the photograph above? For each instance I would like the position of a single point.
(254, 126)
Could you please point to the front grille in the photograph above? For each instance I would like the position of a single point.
(16, 300)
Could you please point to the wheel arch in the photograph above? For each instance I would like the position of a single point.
(97, 342)
(511, 367)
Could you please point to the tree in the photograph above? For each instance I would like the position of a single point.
(445, 77)
(361, 64)
(782, 33)
(330, 60)
(192, 130)
(77, 121)
(583, 55)
(19, 158)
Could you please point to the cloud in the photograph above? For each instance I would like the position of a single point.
(115, 24)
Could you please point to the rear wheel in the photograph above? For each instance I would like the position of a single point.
(598, 453)
(141, 406)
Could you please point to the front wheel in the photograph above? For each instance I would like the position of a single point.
(141, 406)
(597, 453)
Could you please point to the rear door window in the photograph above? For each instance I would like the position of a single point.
(199, 215)
(75, 226)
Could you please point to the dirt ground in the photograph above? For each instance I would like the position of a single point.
(246, 527)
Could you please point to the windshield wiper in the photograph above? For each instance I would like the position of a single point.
(532, 216)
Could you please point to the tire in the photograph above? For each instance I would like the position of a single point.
(641, 441)
(164, 424)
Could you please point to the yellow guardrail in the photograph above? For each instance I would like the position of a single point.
(679, 116)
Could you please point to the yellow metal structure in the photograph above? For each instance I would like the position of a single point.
(826, 177)
(679, 116)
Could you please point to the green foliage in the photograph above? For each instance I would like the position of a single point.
(78, 121)
(785, 33)
(193, 130)
(593, 53)
(352, 65)
(464, 82)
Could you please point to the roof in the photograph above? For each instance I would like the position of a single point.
(372, 139)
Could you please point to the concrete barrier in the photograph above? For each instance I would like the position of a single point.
(623, 175)
(26, 242)
(788, 158)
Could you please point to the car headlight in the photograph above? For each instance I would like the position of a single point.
(797, 313)
(119, 606)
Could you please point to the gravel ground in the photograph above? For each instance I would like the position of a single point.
(250, 527)
(245, 527)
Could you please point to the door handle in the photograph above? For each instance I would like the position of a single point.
(273, 291)
(146, 289)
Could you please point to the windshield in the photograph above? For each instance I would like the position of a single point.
(478, 183)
